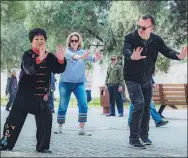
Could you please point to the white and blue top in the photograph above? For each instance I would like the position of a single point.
(75, 69)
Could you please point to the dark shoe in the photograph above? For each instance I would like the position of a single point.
(3, 148)
(173, 106)
(136, 144)
(146, 141)
(7, 109)
(120, 115)
(110, 115)
(161, 123)
(44, 151)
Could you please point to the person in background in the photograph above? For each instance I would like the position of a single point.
(114, 82)
(11, 88)
(124, 96)
(88, 85)
(52, 89)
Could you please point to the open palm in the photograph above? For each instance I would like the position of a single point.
(136, 55)
(183, 53)
(60, 52)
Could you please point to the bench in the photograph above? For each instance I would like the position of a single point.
(163, 94)
(171, 94)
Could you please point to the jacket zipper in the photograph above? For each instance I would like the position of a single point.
(144, 62)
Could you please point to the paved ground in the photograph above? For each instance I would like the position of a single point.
(109, 139)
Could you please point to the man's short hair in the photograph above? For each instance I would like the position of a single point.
(37, 31)
(149, 16)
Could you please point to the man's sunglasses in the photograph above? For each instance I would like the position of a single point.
(72, 41)
(143, 27)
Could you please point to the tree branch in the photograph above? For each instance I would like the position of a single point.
(96, 36)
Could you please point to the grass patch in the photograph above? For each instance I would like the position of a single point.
(95, 102)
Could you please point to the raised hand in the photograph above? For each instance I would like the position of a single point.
(43, 54)
(183, 53)
(85, 55)
(98, 56)
(120, 88)
(60, 52)
(137, 54)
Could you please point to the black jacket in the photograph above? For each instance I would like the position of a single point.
(34, 81)
(142, 70)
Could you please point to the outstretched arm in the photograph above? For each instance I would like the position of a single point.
(170, 53)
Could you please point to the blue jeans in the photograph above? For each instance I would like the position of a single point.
(65, 90)
(51, 100)
(155, 115)
(88, 92)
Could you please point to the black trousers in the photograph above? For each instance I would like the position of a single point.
(140, 95)
(15, 122)
(10, 100)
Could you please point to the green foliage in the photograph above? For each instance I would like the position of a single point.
(89, 66)
(123, 16)
(106, 22)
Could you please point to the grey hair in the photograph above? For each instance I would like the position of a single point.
(13, 70)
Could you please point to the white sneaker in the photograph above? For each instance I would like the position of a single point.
(58, 130)
(83, 132)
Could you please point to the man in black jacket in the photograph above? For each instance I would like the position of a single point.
(141, 49)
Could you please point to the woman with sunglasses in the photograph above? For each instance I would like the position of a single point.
(72, 80)
(114, 82)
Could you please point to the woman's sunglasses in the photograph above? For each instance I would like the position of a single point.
(72, 41)
(113, 59)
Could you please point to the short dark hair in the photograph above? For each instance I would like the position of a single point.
(37, 31)
(149, 16)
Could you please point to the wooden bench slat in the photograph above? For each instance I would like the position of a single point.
(174, 93)
(176, 103)
(156, 98)
(174, 98)
(173, 85)
(174, 89)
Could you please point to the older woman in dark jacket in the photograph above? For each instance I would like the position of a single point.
(32, 95)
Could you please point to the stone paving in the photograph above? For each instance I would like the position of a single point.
(109, 137)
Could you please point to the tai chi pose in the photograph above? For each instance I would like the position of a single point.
(141, 49)
(72, 80)
(33, 90)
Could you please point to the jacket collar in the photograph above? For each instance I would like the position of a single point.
(36, 51)
(135, 33)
